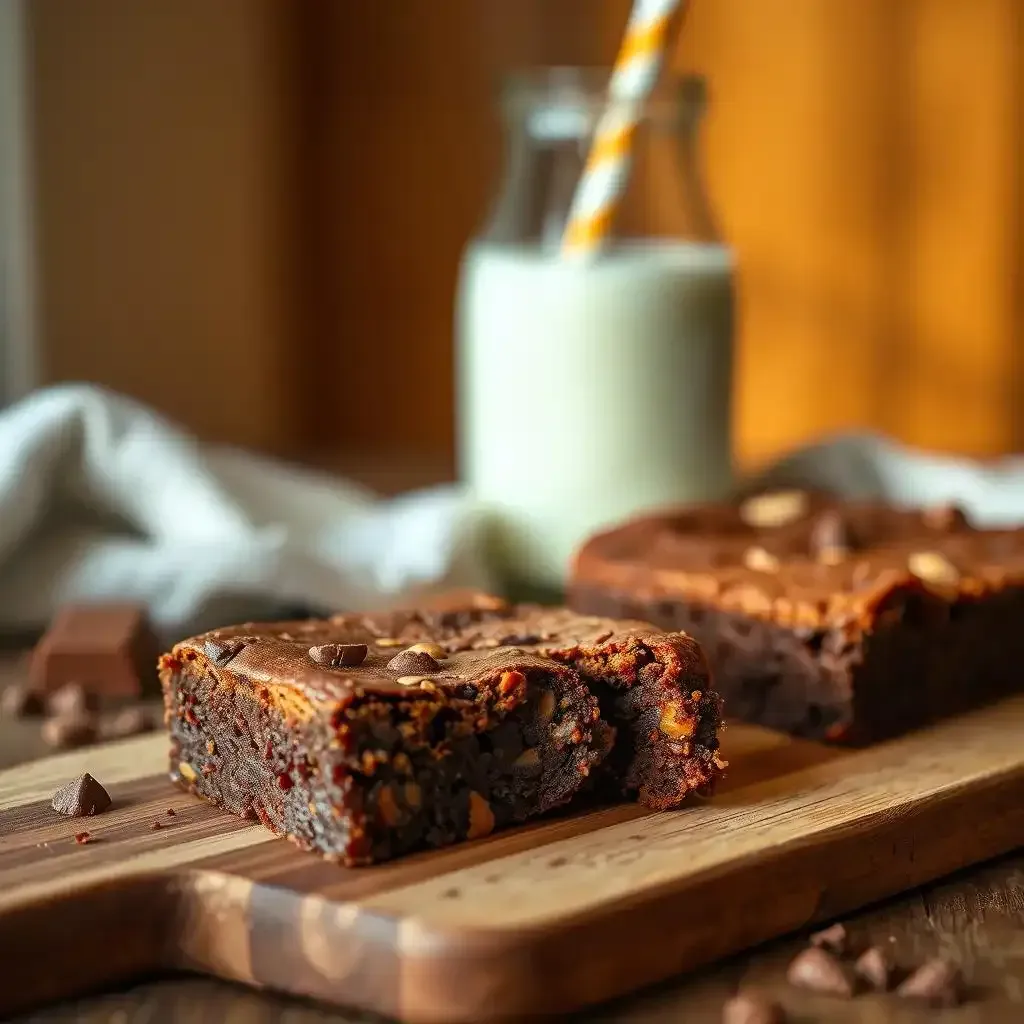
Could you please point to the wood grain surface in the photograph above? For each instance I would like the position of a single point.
(548, 918)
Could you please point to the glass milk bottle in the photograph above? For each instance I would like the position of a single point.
(591, 390)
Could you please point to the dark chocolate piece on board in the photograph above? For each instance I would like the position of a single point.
(18, 701)
(81, 797)
(854, 622)
(65, 732)
(107, 649)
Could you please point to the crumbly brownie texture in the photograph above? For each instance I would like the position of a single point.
(826, 619)
(652, 686)
(390, 751)
(454, 722)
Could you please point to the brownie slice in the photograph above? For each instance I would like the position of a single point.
(363, 745)
(830, 620)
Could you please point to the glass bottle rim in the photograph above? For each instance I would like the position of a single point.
(584, 90)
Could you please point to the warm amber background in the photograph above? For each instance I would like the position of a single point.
(251, 211)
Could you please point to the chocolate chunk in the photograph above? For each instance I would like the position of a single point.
(81, 797)
(69, 731)
(109, 649)
(819, 971)
(222, 651)
(830, 540)
(338, 655)
(128, 722)
(945, 518)
(71, 699)
(413, 663)
(18, 701)
(937, 982)
(832, 938)
(746, 1008)
(875, 967)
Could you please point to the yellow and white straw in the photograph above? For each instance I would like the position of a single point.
(607, 169)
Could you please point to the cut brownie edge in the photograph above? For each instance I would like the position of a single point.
(386, 773)
(656, 692)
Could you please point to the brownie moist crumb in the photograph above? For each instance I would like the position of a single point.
(444, 731)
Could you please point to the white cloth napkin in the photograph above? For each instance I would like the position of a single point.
(867, 467)
(102, 499)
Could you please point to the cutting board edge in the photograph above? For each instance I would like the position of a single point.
(426, 981)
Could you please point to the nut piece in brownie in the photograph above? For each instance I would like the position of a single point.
(363, 746)
(653, 687)
(848, 622)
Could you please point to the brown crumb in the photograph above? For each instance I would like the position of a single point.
(19, 701)
(128, 722)
(70, 700)
(156, 825)
(171, 812)
(817, 970)
(832, 938)
(875, 967)
(937, 982)
(82, 838)
(65, 733)
(747, 1008)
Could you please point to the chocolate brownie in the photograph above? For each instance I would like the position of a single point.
(366, 737)
(848, 622)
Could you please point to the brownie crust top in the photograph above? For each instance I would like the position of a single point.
(800, 558)
(408, 653)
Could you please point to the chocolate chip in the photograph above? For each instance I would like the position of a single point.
(81, 797)
(338, 655)
(750, 1009)
(832, 938)
(830, 540)
(819, 971)
(937, 982)
(517, 639)
(19, 701)
(875, 967)
(129, 722)
(413, 663)
(67, 732)
(945, 518)
(69, 700)
(222, 650)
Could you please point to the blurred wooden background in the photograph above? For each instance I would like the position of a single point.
(251, 212)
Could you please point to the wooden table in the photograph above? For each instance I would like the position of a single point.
(976, 918)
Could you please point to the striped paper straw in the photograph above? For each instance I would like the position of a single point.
(607, 169)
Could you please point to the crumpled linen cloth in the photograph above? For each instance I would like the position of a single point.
(102, 499)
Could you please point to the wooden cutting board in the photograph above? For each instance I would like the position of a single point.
(544, 919)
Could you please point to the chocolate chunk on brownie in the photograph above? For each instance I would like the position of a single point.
(365, 738)
(831, 620)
